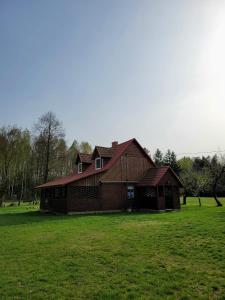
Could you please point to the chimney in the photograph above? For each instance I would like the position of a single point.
(114, 145)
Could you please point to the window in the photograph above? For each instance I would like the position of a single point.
(98, 163)
(79, 167)
(130, 192)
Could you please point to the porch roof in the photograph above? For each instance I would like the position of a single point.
(155, 175)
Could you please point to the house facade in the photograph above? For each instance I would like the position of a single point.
(114, 178)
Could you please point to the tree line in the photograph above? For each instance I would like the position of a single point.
(29, 158)
(200, 176)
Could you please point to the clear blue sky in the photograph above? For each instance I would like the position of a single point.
(113, 70)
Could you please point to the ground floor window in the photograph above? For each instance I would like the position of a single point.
(130, 192)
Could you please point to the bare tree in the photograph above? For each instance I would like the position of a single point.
(50, 132)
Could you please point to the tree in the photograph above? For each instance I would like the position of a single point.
(71, 155)
(170, 159)
(173, 163)
(200, 183)
(185, 165)
(167, 158)
(85, 147)
(217, 172)
(158, 158)
(204, 175)
(27, 161)
(50, 133)
(15, 161)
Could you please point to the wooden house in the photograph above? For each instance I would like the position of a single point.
(116, 178)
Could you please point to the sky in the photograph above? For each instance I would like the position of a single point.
(114, 70)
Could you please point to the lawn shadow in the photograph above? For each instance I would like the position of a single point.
(28, 217)
(20, 218)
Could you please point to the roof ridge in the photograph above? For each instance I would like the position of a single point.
(131, 140)
(103, 147)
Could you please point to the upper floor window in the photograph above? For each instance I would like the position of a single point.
(79, 167)
(98, 163)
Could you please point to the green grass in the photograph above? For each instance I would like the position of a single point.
(176, 255)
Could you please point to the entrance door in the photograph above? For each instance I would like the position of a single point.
(148, 198)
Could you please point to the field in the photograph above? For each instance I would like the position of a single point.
(175, 255)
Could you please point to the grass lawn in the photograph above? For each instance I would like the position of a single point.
(176, 255)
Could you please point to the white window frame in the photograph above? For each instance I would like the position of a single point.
(97, 159)
(130, 192)
(79, 168)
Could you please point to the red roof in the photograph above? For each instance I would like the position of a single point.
(154, 176)
(119, 150)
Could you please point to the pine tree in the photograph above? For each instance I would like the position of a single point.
(158, 158)
(173, 163)
(167, 158)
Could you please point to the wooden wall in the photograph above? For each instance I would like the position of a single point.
(114, 196)
(108, 197)
(89, 181)
(169, 179)
(83, 198)
(131, 166)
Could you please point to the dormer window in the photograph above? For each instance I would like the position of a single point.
(79, 168)
(98, 163)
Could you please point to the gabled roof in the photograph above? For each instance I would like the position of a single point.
(103, 152)
(119, 150)
(154, 175)
(84, 158)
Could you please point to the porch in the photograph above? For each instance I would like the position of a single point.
(54, 199)
(159, 189)
(162, 197)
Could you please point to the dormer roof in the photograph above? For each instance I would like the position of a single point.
(84, 158)
(100, 151)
